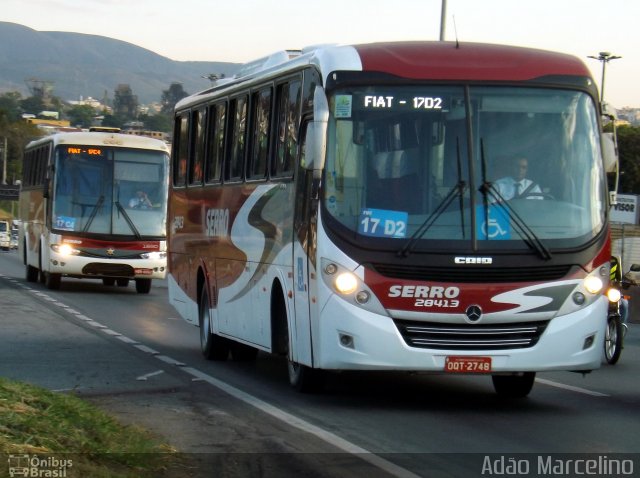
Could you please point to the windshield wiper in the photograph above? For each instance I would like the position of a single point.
(524, 231)
(456, 191)
(94, 211)
(128, 219)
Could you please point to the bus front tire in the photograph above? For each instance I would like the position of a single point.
(305, 379)
(213, 346)
(514, 386)
(143, 286)
(51, 280)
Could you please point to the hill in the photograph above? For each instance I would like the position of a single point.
(90, 65)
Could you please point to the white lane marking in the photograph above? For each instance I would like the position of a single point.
(152, 374)
(146, 349)
(111, 332)
(170, 360)
(571, 388)
(126, 339)
(303, 425)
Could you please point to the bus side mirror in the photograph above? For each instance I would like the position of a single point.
(45, 189)
(316, 139)
(609, 152)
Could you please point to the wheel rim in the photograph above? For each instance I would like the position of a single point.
(610, 339)
(205, 328)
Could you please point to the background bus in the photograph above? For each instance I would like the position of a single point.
(342, 206)
(81, 210)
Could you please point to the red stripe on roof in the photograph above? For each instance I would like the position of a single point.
(471, 61)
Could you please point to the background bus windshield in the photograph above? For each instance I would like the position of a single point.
(402, 157)
(102, 191)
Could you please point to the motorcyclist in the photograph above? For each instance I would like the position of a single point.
(615, 277)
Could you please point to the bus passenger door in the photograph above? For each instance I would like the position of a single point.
(304, 277)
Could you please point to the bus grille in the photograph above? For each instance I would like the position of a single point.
(108, 270)
(472, 274)
(471, 337)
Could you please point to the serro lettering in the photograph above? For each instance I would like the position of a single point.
(217, 222)
(424, 291)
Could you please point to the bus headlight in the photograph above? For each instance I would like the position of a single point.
(346, 283)
(153, 255)
(593, 284)
(350, 287)
(65, 249)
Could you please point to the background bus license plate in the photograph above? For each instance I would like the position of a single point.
(455, 364)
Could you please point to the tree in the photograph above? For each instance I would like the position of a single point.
(125, 103)
(10, 104)
(629, 151)
(157, 122)
(81, 115)
(171, 96)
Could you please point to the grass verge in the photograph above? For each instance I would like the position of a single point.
(35, 422)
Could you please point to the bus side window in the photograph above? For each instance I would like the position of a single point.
(196, 166)
(181, 149)
(260, 129)
(215, 141)
(235, 161)
(288, 99)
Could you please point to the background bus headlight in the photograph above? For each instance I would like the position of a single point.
(153, 255)
(65, 249)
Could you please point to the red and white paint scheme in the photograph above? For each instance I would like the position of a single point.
(93, 206)
(426, 206)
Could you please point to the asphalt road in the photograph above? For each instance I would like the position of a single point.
(130, 354)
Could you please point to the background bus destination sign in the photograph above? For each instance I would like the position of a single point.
(89, 151)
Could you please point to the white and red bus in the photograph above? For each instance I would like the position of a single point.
(342, 206)
(93, 205)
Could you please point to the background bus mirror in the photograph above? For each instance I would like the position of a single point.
(45, 189)
(316, 139)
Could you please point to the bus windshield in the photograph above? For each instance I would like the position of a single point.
(110, 191)
(442, 166)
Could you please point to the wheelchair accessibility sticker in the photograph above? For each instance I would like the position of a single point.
(492, 226)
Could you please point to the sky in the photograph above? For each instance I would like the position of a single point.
(242, 30)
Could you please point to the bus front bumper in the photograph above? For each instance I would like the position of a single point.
(98, 268)
(351, 338)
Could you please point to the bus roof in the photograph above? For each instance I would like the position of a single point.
(116, 140)
(427, 60)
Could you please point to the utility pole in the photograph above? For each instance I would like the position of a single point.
(605, 57)
(443, 19)
(4, 160)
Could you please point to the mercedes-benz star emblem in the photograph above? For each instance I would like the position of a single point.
(111, 251)
(474, 312)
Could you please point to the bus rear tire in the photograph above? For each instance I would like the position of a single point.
(212, 346)
(514, 386)
(31, 273)
(143, 286)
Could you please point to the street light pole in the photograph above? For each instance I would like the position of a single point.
(605, 57)
(443, 19)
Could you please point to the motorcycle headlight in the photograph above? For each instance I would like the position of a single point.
(613, 294)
